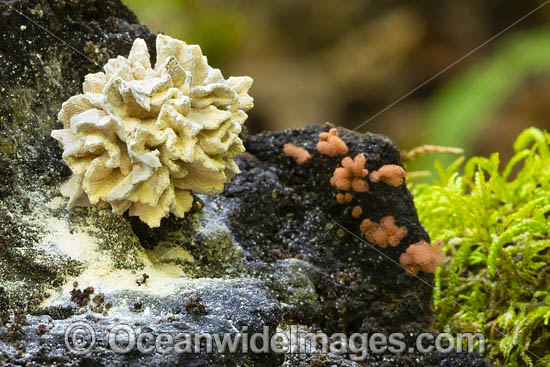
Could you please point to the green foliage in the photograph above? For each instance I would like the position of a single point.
(216, 26)
(463, 108)
(495, 222)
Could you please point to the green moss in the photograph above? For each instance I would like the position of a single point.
(7, 147)
(495, 222)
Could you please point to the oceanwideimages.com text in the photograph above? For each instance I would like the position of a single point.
(80, 339)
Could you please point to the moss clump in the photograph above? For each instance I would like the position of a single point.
(496, 223)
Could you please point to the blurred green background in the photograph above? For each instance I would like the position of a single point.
(344, 61)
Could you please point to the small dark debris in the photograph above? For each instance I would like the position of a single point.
(99, 298)
(20, 318)
(41, 329)
(195, 307)
(98, 306)
(137, 307)
(142, 279)
(21, 349)
(35, 300)
(81, 297)
(14, 333)
(320, 360)
(4, 318)
(98, 54)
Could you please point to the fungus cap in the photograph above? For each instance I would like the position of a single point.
(351, 174)
(384, 234)
(298, 153)
(356, 211)
(422, 256)
(330, 143)
(390, 174)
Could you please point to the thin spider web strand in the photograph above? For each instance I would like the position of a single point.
(451, 65)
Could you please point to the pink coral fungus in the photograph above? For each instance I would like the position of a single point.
(351, 175)
(390, 174)
(422, 256)
(330, 144)
(384, 233)
(300, 154)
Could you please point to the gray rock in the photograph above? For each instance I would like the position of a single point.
(274, 250)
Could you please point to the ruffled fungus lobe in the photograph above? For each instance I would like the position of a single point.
(384, 233)
(344, 198)
(422, 256)
(351, 175)
(356, 211)
(330, 144)
(300, 154)
(390, 174)
(142, 138)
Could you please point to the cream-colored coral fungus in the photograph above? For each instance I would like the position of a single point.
(142, 139)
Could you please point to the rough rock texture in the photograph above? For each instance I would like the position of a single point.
(274, 249)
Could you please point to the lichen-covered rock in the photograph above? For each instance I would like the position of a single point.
(142, 138)
(231, 306)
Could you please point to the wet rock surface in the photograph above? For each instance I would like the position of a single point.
(275, 249)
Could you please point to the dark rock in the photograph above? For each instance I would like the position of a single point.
(275, 249)
(290, 211)
(232, 305)
(39, 72)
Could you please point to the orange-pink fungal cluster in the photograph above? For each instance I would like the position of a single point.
(390, 174)
(356, 212)
(351, 175)
(330, 144)
(344, 198)
(384, 234)
(298, 153)
(422, 256)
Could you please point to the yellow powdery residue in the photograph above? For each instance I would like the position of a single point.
(100, 272)
(163, 252)
(56, 203)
